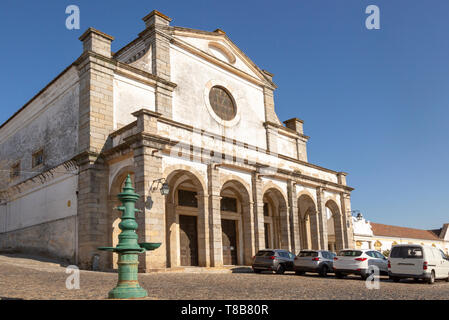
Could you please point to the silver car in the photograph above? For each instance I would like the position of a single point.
(276, 260)
(316, 261)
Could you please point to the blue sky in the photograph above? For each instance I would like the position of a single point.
(374, 102)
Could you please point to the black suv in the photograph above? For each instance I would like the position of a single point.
(276, 260)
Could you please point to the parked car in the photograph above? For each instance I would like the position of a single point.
(417, 262)
(358, 262)
(276, 260)
(316, 261)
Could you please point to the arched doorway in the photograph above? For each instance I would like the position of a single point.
(237, 236)
(185, 220)
(275, 220)
(308, 224)
(334, 227)
(117, 185)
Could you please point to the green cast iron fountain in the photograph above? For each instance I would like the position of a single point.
(128, 248)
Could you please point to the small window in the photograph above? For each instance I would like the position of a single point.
(38, 158)
(265, 209)
(187, 198)
(15, 170)
(228, 204)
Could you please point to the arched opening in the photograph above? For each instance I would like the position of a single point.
(117, 185)
(308, 223)
(275, 220)
(185, 220)
(334, 227)
(235, 213)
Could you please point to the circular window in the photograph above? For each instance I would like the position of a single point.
(222, 103)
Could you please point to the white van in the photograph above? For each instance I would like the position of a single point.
(417, 262)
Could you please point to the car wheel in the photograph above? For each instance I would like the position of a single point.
(324, 270)
(447, 279)
(299, 273)
(280, 269)
(339, 275)
(395, 279)
(416, 279)
(257, 270)
(432, 278)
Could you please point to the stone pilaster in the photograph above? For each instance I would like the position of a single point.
(215, 232)
(96, 72)
(151, 220)
(348, 230)
(157, 38)
(322, 218)
(293, 213)
(92, 210)
(259, 227)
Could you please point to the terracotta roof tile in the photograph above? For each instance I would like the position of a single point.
(402, 232)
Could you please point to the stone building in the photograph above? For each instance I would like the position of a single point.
(381, 237)
(177, 104)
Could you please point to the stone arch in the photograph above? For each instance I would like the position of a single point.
(186, 245)
(244, 218)
(114, 215)
(334, 225)
(276, 224)
(308, 221)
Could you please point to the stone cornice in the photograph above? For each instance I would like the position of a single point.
(286, 131)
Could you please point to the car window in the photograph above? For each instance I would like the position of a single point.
(379, 255)
(325, 255)
(408, 252)
(308, 254)
(371, 254)
(265, 253)
(443, 254)
(350, 253)
(291, 255)
(283, 254)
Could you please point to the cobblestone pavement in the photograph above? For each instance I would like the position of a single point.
(24, 278)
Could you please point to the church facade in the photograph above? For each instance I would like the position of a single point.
(177, 106)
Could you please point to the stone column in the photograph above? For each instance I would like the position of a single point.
(215, 232)
(294, 223)
(259, 226)
(204, 255)
(322, 218)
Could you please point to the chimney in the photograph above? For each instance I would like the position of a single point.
(156, 18)
(97, 41)
(295, 124)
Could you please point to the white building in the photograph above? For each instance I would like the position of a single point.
(370, 235)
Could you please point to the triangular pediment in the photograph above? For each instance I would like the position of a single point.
(217, 47)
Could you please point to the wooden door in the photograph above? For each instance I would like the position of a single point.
(229, 235)
(188, 240)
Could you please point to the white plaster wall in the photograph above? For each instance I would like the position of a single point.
(192, 74)
(203, 45)
(287, 146)
(50, 121)
(201, 140)
(44, 203)
(242, 175)
(130, 96)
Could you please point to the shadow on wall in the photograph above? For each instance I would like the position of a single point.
(42, 257)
